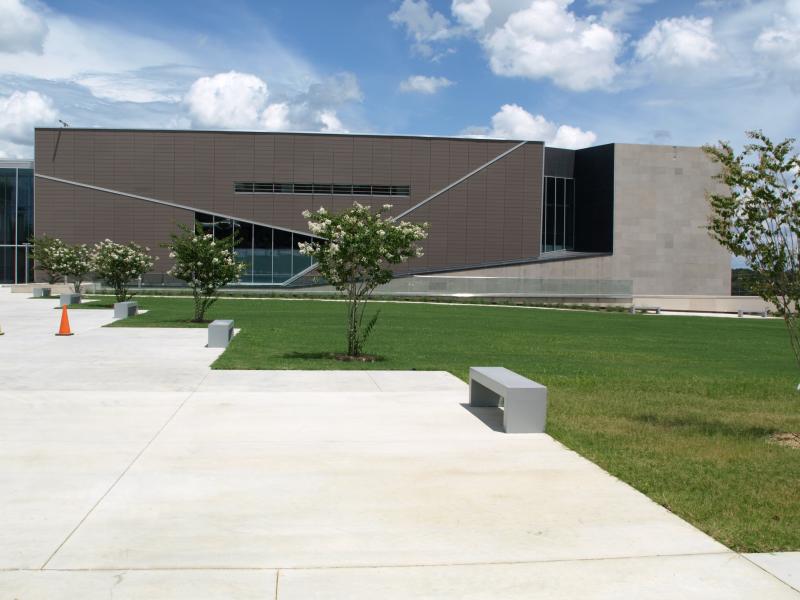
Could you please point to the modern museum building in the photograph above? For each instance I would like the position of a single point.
(505, 216)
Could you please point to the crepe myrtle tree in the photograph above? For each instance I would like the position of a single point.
(205, 264)
(117, 265)
(45, 252)
(74, 262)
(757, 217)
(357, 247)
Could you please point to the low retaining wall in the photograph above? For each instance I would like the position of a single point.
(718, 304)
(56, 288)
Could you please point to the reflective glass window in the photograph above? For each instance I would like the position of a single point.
(243, 248)
(569, 232)
(222, 228)
(281, 255)
(262, 254)
(559, 214)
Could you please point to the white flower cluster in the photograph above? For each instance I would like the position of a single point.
(202, 263)
(358, 245)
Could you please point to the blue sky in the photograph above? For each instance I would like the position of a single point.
(569, 73)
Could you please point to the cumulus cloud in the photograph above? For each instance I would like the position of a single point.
(227, 100)
(236, 100)
(423, 84)
(514, 122)
(546, 40)
(20, 112)
(330, 122)
(471, 13)
(275, 117)
(21, 28)
(422, 24)
(679, 42)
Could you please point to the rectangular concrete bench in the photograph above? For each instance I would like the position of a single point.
(123, 310)
(655, 309)
(220, 333)
(524, 401)
(41, 292)
(67, 299)
(742, 312)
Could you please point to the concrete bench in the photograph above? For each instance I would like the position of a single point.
(524, 401)
(41, 292)
(123, 310)
(644, 309)
(742, 312)
(67, 299)
(220, 333)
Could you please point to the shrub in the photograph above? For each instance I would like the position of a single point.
(205, 264)
(75, 262)
(46, 252)
(118, 264)
(354, 256)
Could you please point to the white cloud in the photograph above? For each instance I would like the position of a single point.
(21, 28)
(21, 112)
(227, 100)
(330, 122)
(131, 87)
(514, 122)
(471, 13)
(422, 24)
(679, 42)
(781, 40)
(73, 49)
(423, 84)
(546, 40)
(235, 100)
(275, 117)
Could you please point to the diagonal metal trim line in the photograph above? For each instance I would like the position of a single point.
(170, 204)
(450, 186)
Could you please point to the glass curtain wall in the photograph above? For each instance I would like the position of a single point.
(16, 225)
(558, 222)
(272, 256)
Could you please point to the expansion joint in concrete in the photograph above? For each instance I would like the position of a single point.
(122, 474)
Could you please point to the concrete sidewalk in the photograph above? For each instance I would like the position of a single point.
(129, 469)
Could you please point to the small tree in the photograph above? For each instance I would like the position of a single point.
(119, 264)
(357, 248)
(205, 264)
(75, 262)
(758, 218)
(46, 252)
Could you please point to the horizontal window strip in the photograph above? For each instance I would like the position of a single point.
(343, 189)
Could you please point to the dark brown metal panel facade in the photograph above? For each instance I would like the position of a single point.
(81, 216)
(492, 217)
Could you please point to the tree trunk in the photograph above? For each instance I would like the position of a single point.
(199, 308)
(352, 322)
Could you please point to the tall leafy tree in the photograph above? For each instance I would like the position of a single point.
(756, 216)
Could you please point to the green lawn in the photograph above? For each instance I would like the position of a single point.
(679, 407)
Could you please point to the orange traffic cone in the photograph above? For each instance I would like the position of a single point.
(64, 328)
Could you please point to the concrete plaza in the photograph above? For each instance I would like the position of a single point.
(130, 469)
